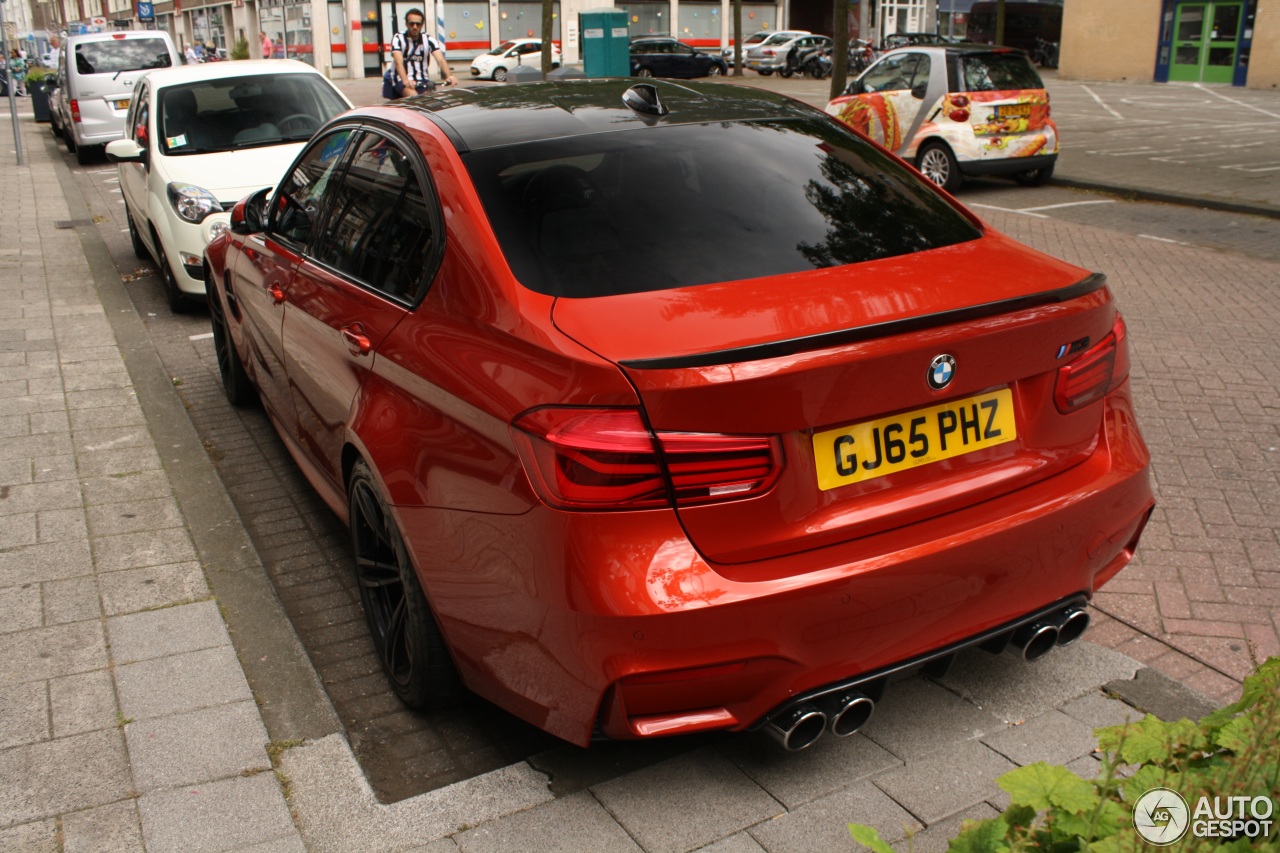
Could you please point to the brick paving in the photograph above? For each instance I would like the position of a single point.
(1201, 602)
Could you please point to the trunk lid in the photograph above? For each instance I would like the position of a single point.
(810, 356)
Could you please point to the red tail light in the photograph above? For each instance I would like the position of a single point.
(1095, 374)
(606, 459)
(75, 111)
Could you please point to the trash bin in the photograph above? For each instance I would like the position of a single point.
(605, 43)
(39, 92)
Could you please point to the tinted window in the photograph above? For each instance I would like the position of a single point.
(119, 55)
(986, 72)
(300, 194)
(379, 228)
(686, 205)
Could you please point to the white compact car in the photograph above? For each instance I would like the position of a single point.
(495, 64)
(198, 138)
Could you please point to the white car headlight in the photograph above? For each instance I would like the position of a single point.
(192, 203)
(215, 228)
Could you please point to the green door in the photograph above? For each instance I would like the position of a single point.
(1205, 40)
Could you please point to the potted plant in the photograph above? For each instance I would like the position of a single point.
(40, 82)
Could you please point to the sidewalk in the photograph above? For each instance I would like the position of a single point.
(131, 718)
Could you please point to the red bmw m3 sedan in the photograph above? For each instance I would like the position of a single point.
(657, 408)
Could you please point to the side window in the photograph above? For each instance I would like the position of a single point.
(887, 76)
(140, 128)
(381, 230)
(916, 69)
(298, 200)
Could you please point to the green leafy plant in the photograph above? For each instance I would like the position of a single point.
(241, 49)
(1232, 752)
(37, 73)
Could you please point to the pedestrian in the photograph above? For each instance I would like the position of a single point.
(190, 55)
(266, 45)
(411, 51)
(18, 72)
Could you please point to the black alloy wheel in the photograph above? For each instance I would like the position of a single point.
(235, 381)
(405, 634)
(644, 71)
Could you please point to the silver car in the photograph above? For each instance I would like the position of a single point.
(780, 52)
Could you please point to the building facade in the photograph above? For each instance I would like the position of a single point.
(351, 38)
(1235, 42)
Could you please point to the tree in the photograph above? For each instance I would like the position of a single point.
(840, 50)
(737, 38)
(548, 22)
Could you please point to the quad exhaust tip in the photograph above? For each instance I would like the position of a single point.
(1058, 629)
(799, 726)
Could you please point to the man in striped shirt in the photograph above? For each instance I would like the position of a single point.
(412, 50)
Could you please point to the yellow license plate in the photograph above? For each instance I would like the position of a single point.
(886, 446)
(1013, 111)
(121, 105)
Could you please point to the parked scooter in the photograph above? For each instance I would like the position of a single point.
(817, 63)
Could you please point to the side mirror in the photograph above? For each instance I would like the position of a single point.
(855, 87)
(126, 151)
(249, 214)
(919, 91)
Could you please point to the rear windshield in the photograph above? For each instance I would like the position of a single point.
(997, 72)
(119, 55)
(666, 207)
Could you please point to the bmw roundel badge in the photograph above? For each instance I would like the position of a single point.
(941, 371)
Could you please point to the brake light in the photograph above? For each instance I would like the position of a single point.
(1096, 373)
(607, 459)
(75, 111)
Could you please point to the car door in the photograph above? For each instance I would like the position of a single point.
(133, 176)
(378, 249)
(263, 276)
(887, 105)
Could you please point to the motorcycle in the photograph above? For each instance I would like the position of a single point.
(816, 64)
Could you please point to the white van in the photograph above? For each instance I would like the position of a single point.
(96, 73)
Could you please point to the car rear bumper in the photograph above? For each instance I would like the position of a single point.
(616, 620)
(1008, 166)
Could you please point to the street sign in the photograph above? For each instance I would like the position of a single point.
(146, 11)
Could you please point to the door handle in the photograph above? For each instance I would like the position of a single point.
(357, 341)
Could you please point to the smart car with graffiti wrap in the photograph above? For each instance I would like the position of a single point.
(956, 110)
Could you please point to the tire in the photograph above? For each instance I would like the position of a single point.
(939, 165)
(1034, 177)
(178, 303)
(405, 635)
(644, 71)
(764, 72)
(235, 381)
(715, 71)
(69, 140)
(85, 155)
(139, 248)
(499, 75)
(785, 72)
